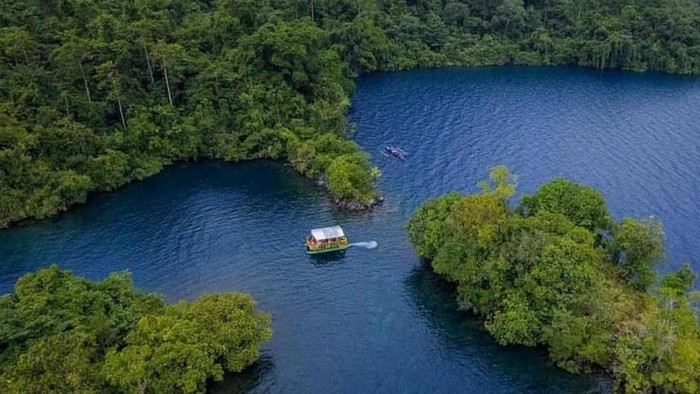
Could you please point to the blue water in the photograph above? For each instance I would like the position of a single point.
(377, 320)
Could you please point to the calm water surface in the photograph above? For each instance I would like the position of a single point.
(377, 320)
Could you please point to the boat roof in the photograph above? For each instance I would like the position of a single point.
(325, 233)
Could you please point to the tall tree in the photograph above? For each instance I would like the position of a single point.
(111, 81)
(169, 55)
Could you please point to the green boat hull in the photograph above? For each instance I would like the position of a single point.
(327, 250)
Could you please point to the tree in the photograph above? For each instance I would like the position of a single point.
(501, 183)
(349, 177)
(109, 170)
(582, 204)
(74, 51)
(679, 282)
(191, 343)
(456, 13)
(231, 323)
(663, 354)
(515, 323)
(112, 81)
(169, 54)
(361, 44)
(510, 15)
(17, 44)
(638, 245)
(425, 227)
(163, 354)
(64, 362)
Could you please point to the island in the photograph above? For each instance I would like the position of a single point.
(556, 271)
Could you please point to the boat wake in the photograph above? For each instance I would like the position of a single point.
(366, 245)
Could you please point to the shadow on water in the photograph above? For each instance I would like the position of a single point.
(252, 379)
(462, 333)
(326, 259)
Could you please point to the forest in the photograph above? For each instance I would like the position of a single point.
(97, 93)
(60, 333)
(556, 271)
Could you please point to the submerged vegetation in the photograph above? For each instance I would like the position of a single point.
(64, 334)
(94, 94)
(557, 271)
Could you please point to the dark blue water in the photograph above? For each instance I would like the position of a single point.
(377, 320)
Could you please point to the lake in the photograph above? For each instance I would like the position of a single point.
(377, 320)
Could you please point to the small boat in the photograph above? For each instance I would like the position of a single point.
(394, 151)
(325, 240)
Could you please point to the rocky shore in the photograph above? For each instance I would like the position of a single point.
(350, 205)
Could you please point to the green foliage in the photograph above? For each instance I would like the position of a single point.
(63, 362)
(189, 344)
(543, 274)
(62, 333)
(515, 322)
(425, 229)
(109, 170)
(679, 282)
(583, 205)
(661, 353)
(639, 246)
(501, 183)
(97, 94)
(351, 177)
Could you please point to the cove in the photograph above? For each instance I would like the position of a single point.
(378, 320)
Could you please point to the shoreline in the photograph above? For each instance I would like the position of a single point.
(349, 205)
(344, 204)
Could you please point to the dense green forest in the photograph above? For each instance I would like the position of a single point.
(64, 334)
(96, 93)
(557, 271)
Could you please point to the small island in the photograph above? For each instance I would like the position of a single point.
(556, 271)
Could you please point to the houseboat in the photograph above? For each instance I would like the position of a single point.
(327, 239)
